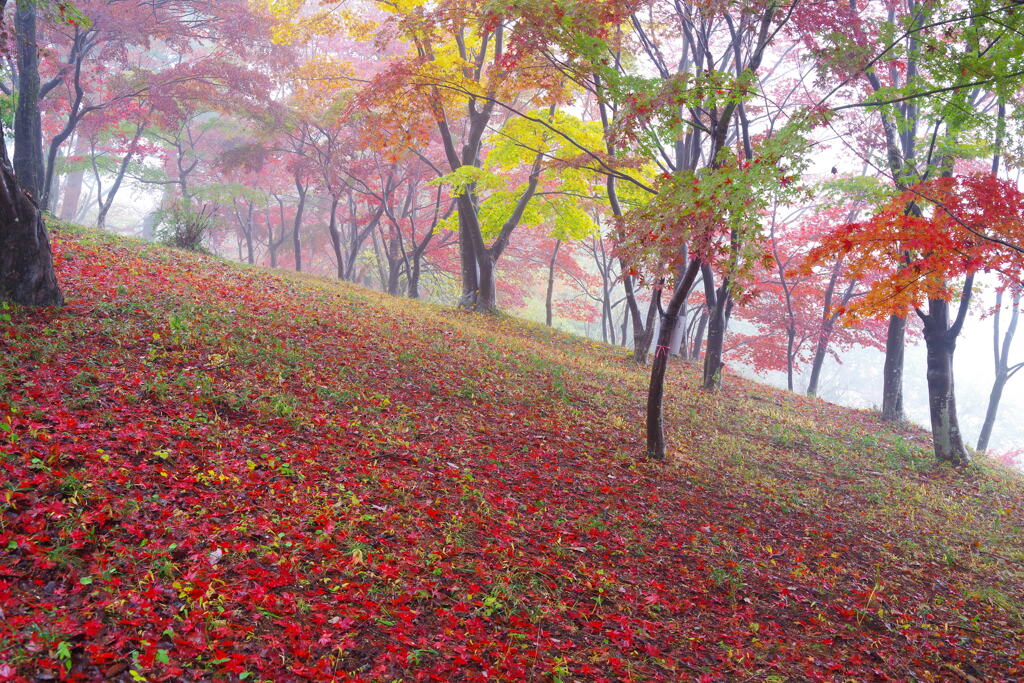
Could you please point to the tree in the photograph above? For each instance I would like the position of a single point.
(929, 70)
(1001, 341)
(26, 263)
(929, 257)
(795, 314)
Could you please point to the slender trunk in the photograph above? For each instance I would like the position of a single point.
(994, 397)
(1001, 356)
(790, 339)
(297, 225)
(656, 389)
(892, 370)
(28, 135)
(250, 228)
(106, 202)
(698, 337)
(332, 229)
(623, 338)
(819, 360)
(551, 287)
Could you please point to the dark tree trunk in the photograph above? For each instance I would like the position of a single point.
(487, 296)
(719, 306)
(414, 275)
(643, 334)
(26, 264)
(892, 370)
(28, 130)
(107, 201)
(551, 287)
(250, 229)
(819, 362)
(790, 342)
(940, 344)
(467, 255)
(332, 229)
(297, 225)
(656, 389)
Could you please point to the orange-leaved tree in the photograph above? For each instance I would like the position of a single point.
(922, 261)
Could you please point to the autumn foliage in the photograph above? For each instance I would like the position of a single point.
(214, 472)
(927, 238)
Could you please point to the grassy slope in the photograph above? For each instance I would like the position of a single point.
(211, 471)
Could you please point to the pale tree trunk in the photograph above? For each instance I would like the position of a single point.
(698, 337)
(892, 370)
(1001, 356)
(73, 186)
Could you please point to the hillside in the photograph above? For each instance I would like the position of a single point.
(217, 472)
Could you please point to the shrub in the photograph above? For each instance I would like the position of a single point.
(183, 226)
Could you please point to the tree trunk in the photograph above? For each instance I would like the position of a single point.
(994, 398)
(551, 287)
(28, 131)
(643, 333)
(414, 275)
(698, 337)
(26, 264)
(892, 371)
(940, 344)
(332, 229)
(467, 255)
(250, 229)
(1001, 356)
(656, 389)
(790, 340)
(73, 186)
(297, 225)
(718, 320)
(487, 296)
(818, 363)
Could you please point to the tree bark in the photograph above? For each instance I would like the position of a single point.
(698, 337)
(297, 225)
(940, 344)
(332, 229)
(656, 389)
(26, 263)
(719, 307)
(551, 287)
(892, 370)
(28, 131)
